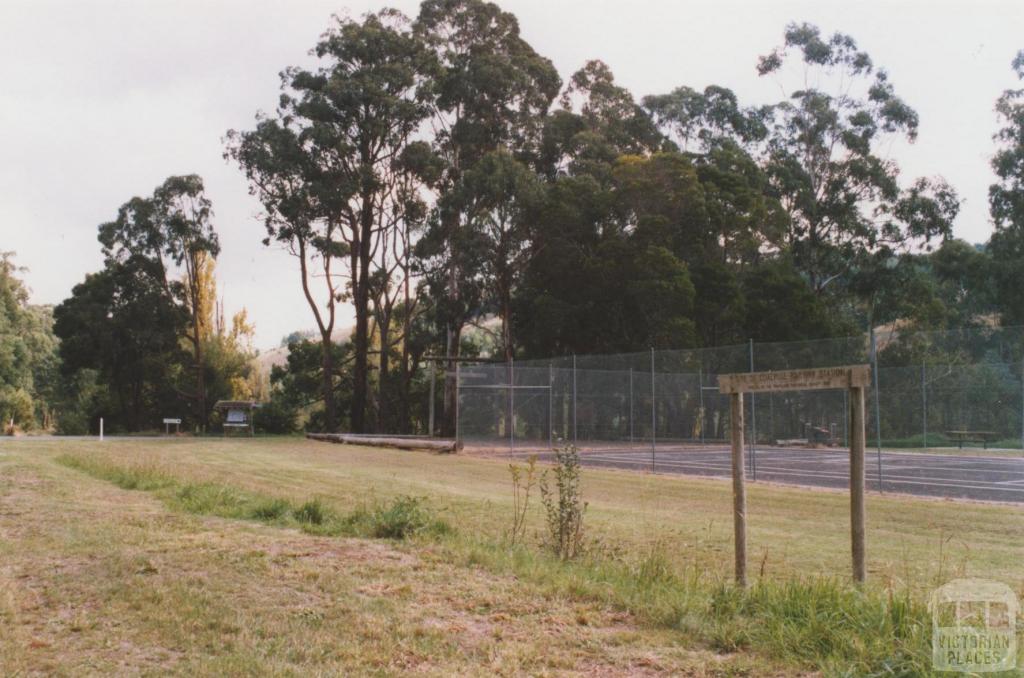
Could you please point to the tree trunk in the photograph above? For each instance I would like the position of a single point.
(204, 415)
(360, 372)
(383, 387)
(451, 394)
(326, 329)
(404, 414)
(327, 363)
(506, 322)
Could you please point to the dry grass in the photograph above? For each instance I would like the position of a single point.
(99, 580)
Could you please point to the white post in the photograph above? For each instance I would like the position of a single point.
(101, 429)
(631, 408)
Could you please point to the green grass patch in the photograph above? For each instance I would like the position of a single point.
(399, 518)
(816, 623)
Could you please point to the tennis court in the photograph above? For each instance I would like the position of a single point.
(934, 475)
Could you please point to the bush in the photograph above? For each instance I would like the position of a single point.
(563, 505)
(16, 404)
(276, 416)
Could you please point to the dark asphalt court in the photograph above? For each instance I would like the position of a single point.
(933, 475)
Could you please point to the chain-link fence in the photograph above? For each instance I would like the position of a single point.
(952, 389)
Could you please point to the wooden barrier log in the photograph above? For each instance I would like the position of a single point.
(396, 442)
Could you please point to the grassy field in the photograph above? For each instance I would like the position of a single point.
(267, 557)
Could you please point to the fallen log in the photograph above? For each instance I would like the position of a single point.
(397, 442)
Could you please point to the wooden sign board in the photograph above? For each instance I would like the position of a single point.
(847, 376)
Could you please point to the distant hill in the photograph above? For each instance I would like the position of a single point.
(278, 355)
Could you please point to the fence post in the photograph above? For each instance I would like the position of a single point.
(654, 412)
(1022, 405)
(739, 490)
(878, 398)
(551, 410)
(574, 439)
(700, 385)
(857, 517)
(753, 424)
(512, 402)
(631, 407)
(458, 397)
(430, 419)
(924, 407)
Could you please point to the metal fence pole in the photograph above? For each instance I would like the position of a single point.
(654, 412)
(574, 439)
(551, 410)
(430, 419)
(878, 398)
(458, 397)
(753, 424)
(924, 408)
(511, 402)
(631, 407)
(700, 385)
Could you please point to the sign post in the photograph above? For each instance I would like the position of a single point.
(739, 488)
(855, 378)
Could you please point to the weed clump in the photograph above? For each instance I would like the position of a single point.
(404, 517)
(313, 512)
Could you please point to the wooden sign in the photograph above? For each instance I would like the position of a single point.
(848, 376)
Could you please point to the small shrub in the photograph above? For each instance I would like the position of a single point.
(404, 517)
(523, 480)
(563, 505)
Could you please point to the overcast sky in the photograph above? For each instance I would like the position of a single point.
(102, 100)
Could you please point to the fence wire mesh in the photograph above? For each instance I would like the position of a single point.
(951, 389)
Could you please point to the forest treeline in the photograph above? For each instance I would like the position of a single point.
(438, 176)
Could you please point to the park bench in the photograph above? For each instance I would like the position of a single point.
(983, 437)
